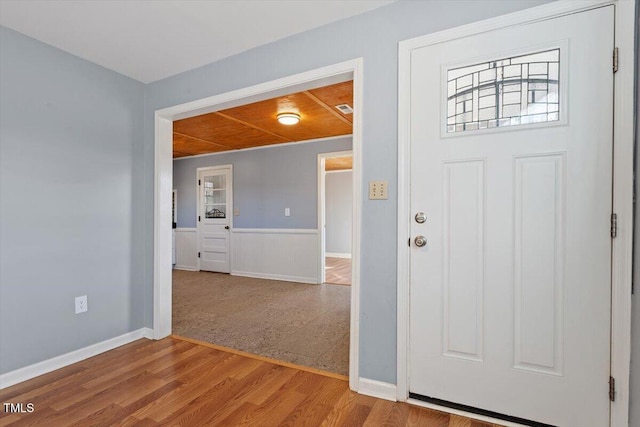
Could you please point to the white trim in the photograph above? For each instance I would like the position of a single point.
(356, 221)
(184, 268)
(283, 277)
(162, 236)
(337, 255)
(623, 173)
(465, 414)
(49, 365)
(276, 230)
(337, 171)
(163, 171)
(186, 229)
(622, 183)
(262, 147)
(379, 389)
(322, 238)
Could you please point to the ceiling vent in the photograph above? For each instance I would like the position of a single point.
(345, 108)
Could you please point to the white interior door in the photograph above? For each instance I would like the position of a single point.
(511, 162)
(214, 219)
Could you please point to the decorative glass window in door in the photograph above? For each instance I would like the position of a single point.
(504, 92)
(215, 197)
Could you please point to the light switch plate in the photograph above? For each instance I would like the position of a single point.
(287, 212)
(378, 190)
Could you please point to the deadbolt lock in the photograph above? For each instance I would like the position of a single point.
(421, 217)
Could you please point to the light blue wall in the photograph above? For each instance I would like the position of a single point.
(76, 180)
(373, 36)
(265, 181)
(67, 129)
(338, 211)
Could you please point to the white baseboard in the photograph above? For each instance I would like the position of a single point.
(284, 278)
(337, 255)
(185, 268)
(377, 389)
(49, 365)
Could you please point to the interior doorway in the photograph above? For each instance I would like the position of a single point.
(335, 216)
(350, 70)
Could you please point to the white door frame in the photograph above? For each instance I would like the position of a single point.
(622, 187)
(322, 209)
(163, 181)
(229, 209)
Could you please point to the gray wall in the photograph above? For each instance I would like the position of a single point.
(265, 181)
(373, 36)
(338, 210)
(67, 129)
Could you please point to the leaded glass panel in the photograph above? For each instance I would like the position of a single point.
(504, 92)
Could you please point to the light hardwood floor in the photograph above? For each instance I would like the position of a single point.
(176, 382)
(337, 271)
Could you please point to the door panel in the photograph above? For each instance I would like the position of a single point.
(214, 223)
(511, 160)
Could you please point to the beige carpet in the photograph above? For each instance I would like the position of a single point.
(303, 324)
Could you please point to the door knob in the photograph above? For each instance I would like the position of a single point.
(421, 217)
(226, 227)
(420, 241)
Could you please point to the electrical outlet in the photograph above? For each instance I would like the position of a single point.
(378, 190)
(81, 304)
(287, 212)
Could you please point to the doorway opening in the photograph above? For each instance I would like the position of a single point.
(335, 216)
(351, 70)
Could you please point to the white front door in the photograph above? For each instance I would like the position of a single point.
(214, 213)
(511, 163)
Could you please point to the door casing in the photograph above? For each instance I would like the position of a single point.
(163, 183)
(622, 245)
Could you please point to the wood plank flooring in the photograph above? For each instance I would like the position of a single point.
(176, 382)
(337, 271)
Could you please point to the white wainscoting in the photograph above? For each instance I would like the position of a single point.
(186, 249)
(281, 254)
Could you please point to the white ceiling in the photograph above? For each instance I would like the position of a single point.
(149, 40)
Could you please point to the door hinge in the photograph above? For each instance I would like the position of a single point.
(198, 254)
(614, 225)
(615, 59)
(409, 242)
(612, 389)
(198, 218)
(199, 183)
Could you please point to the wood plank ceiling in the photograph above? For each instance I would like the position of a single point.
(338, 163)
(255, 125)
